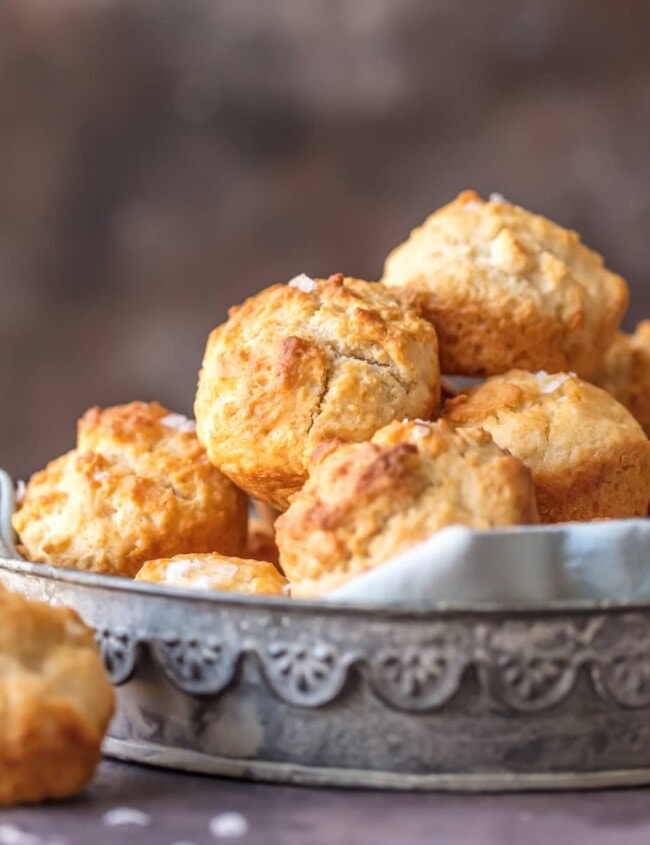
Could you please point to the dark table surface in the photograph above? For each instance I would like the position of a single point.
(180, 808)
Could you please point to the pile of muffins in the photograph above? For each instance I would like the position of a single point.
(322, 401)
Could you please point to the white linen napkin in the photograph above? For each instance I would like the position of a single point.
(596, 560)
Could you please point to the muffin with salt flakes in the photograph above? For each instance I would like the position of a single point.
(507, 289)
(303, 362)
(139, 485)
(588, 456)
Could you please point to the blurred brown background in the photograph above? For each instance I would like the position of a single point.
(162, 159)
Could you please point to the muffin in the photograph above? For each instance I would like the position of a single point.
(216, 572)
(367, 502)
(508, 289)
(55, 701)
(300, 363)
(626, 373)
(588, 456)
(138, 486)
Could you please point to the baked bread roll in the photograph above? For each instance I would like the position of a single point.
(367, 502)
(300, 363)
(508, 289)
(626, 373)
(588, 456)
(55, 701)
(216, 572)
(138, 486)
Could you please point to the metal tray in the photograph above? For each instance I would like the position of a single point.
(489, 698)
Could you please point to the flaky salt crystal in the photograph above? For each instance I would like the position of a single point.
(554, 382)
(304, 283)
(120, 816)
(229, 826)
(178, 422)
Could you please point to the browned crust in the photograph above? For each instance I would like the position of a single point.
(134, 490)
(367, 502)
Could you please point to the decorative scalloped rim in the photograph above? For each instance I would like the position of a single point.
(217, 676)
(578, 656)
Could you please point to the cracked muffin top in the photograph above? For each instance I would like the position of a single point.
(626, 373)
(139, 485)
(303, 362)
(588, 456)
(507, 289)
(367, 502)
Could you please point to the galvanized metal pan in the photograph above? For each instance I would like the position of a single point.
(552, 696)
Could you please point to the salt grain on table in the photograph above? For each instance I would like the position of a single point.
(12, 835)
(126, 816)
(228, 826)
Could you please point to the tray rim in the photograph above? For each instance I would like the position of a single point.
(413, 612)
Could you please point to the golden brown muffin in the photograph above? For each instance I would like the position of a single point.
(367, 502)
(300, 363)
(216, 572)
(55, 701)
(588, 456)
(261, 543)
(506, 288)
(626, 373)
(138, 486)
